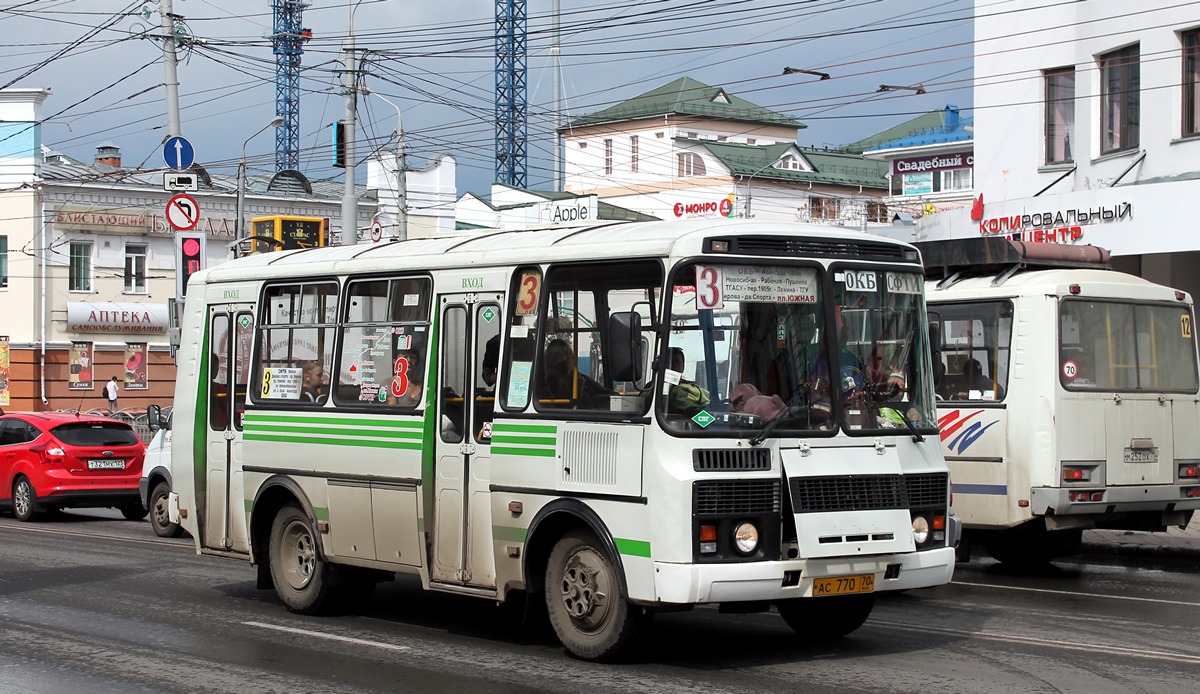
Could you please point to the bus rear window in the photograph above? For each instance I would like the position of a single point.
(1119, 346)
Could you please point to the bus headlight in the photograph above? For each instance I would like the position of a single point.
(920, 530)
(745, 538)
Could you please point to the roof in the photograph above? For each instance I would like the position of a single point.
(909, 128)
(829, 167)
(943, 134)
(688, 97)
(59, 167)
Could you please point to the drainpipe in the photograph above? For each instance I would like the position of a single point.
(43, 312)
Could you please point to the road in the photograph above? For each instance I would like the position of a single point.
(89, 602)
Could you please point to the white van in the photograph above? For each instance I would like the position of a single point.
(155, 486)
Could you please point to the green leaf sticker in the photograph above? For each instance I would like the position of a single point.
(703, 418)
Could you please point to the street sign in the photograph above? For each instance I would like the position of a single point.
(174, 182)
(183, 212)
(376, 232)
(178, 153)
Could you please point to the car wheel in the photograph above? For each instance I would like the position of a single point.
(24, 500)
(817, 620)
(590, 615)
(160, 514)
(133, 512)
(303, 579)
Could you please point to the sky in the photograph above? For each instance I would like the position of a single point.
(435, 61)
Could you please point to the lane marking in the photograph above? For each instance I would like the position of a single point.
(331, 637)
(1061, 645)
(184, 543)
(1130, 598)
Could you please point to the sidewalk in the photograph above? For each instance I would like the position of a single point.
(1173, 544)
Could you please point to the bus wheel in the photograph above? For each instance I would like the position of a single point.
(302, 578)
(591, 617)
(1030, 545)
(24, 500)
(160, 514)
(133, 512)
(824, 619)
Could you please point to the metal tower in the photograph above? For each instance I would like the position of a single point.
(512, 110)
(287, 41)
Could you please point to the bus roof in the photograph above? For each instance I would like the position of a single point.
(1092, 283)
(615, 240)
(1003, 257)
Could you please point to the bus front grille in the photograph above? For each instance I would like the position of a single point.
(722, 497)
(868, 492)
(731, 459)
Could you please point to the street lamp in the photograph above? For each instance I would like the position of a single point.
(241, 179)
(401, 166)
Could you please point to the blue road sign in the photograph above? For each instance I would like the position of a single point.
(178, 153)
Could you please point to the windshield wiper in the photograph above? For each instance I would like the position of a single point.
(785, 413)
(908, 424)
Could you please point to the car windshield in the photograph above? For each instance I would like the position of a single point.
(750, 346)
(95, 434)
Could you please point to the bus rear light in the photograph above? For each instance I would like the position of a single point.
(1179, 295)
(1085, 495)
(1077, 474)
(1075, 289)
(1189, 471)
(1192, 492)
(1097, 496)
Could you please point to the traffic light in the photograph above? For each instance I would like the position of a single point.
(189, 249)
(339, 144)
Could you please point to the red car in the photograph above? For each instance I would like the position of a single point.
(55, 460)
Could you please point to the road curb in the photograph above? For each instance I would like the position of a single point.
(1145, 551)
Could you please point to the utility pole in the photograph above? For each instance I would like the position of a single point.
(556, 66)
(169, 64)
(350, 87)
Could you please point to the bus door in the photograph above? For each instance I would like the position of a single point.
(231, 331)
(462, 530)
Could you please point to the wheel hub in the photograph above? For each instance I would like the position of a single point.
(583, 594)
(300, 565)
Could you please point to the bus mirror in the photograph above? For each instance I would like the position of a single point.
(625, 346)
(154, 417)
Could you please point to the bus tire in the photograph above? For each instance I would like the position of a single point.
(817, 620)
(1030, 545)
(132, 512)
(585, 602)
(160, 514)
(24, 500)
(302, 578)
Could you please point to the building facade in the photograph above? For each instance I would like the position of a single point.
(1087, 131)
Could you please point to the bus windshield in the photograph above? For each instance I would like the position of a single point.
(750, 347)
(1120, 346)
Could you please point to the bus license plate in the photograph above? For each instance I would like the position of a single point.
(1141, 455)
(106, 464)
(842, 585)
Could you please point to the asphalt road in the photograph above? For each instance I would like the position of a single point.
(89, 602)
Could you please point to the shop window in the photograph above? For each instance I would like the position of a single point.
(1191, 83)
(1060, 115)
(1120, 100)
(690, 164)
(79, 272)
(135, 268)
(956, 179)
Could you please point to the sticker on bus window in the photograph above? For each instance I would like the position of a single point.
(518, 384)
(527, 294)
(905, 283)
(281, 383)
(757, 283)
(1185, 326)
(412, 299)
(859, 281)
(519, 332)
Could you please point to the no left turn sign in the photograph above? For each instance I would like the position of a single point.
(183, 212)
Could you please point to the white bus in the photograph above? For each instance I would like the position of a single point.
(1067, 395)
(503, 414)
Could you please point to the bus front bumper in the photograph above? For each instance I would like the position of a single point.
(685, 584)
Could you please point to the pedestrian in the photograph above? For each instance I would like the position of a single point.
(110, 394)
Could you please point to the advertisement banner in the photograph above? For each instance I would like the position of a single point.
(80, 362)
(4, 367)
(136, 363)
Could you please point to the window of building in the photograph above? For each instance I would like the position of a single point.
(582, 145)
(690, 164)
(633, 153)
(877, 212)
(956, 179)
(1060, 115)
(608, 157)
(79, 273)
(1120, 100)
(788, 162)
(722, 138)
(693, 136)
(135, 268)
(3, 261)
(896, 184)
(1191, 83)
(823, 208)
(751, 141)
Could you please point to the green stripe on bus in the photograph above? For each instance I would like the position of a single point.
(334, 421)
(633, 548)
(275, 438)
(255, 427)
(249, 505)
(527, 440)
(321, 513)
(506, 534)
(536, 452)
(526, 428)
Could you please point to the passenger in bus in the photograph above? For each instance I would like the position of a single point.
(685, 397)
(563, 385)
(405, 387)
(491, 360)
(311, 387)
(976, 381)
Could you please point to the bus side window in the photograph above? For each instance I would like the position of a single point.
(296, 346)
(525, 299)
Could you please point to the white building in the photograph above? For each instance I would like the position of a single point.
(1087, 131)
